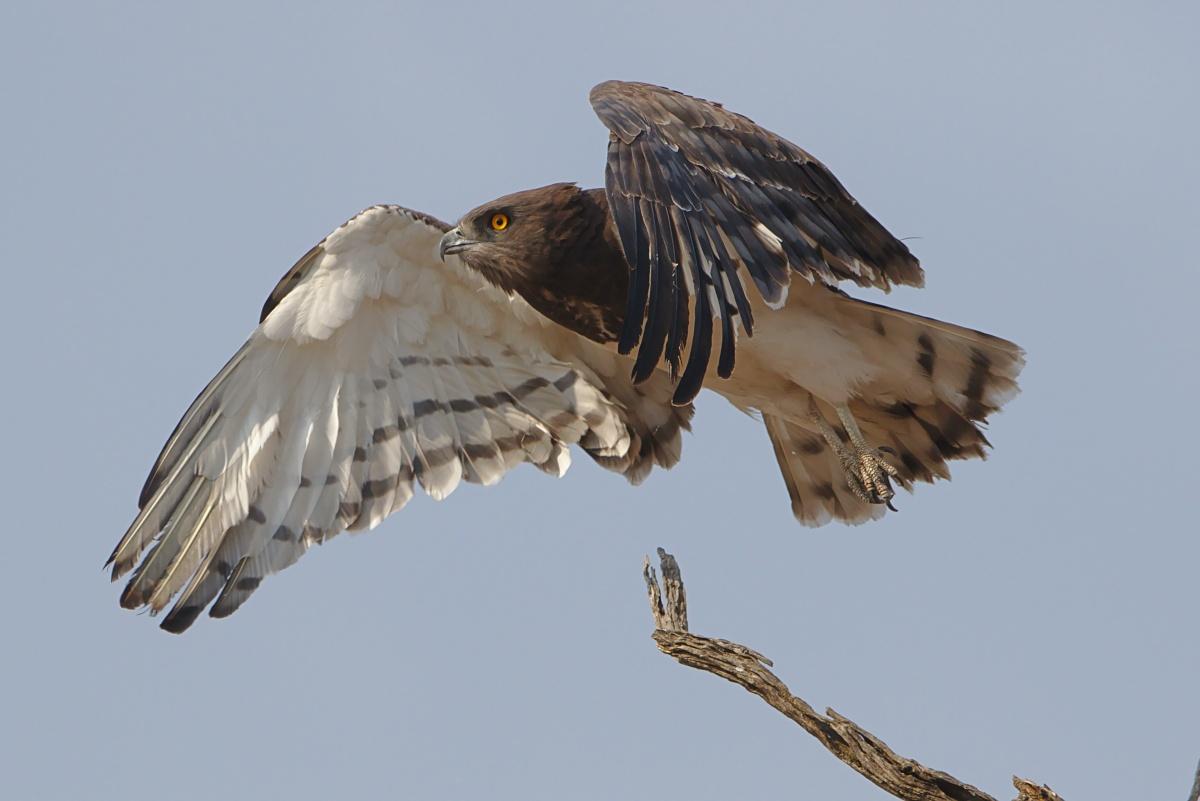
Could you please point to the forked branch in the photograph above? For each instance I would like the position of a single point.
(857, 747)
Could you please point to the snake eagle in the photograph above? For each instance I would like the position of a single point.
(401, 350)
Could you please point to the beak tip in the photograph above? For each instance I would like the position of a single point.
(448, 240)
(452, 242)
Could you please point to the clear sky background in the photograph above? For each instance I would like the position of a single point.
(161, 167)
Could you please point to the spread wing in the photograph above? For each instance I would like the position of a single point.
(702, 198)
(375, 368)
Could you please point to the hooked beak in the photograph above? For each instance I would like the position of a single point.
(452, 242)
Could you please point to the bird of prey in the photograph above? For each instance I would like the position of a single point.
(400, 349)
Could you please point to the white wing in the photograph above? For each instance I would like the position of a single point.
(375, 365)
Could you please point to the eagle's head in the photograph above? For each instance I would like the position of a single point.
(554, 246)
(521, 240)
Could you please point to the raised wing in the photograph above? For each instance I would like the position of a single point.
(375, 366)
(702, 197)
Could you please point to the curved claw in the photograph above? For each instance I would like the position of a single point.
(870, 477)
(868, 474)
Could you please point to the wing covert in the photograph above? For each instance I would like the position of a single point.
(703, 199)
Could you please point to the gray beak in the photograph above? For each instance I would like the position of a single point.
(452, 242)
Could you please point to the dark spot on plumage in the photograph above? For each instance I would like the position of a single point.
(509, 444)
(812, 447)
(223, 568)
(284, 534)
(305, 482)
(379, 383)
(433, 459)
(877, 324)
(372, 488)
(381, 486)
(926, 356)
(561, 420)
(475, 451)
(824, 490)
(256, 514)
(384, 433)
(409, 361)
(424, 408)
(593, 418)
(463, 405)
(944, 448)
(501, 398)
(486, 401)
(248, 584)
(529, 386)
(977, 378)
(566, 381)
(912, 464)
(955, 428)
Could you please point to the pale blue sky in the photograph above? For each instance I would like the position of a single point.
(162, 167)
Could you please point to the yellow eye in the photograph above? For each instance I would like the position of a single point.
(499, 221)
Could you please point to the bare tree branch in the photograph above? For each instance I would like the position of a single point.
(1028, 791)
(901, 777)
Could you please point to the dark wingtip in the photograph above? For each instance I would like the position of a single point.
(697, 364)
(118, 569)
(685, 393)
(130, 599)
(181, 619)
(220, 612)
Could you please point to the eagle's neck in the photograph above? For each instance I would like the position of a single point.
(585, 285)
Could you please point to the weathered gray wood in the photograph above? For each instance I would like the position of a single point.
(901, 777)
(1028, 791)
(673, 615)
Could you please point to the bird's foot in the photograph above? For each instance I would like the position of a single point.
(869, 474)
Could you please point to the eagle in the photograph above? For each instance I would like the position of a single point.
(402, 351)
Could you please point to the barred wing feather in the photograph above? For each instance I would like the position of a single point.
(375, 366)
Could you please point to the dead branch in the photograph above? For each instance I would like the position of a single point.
(901, 777)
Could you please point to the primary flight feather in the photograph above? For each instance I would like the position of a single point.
(400, 351)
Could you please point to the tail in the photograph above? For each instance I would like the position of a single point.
(927, 402)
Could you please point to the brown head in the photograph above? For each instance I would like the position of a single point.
(553, 246)
(519, 237)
